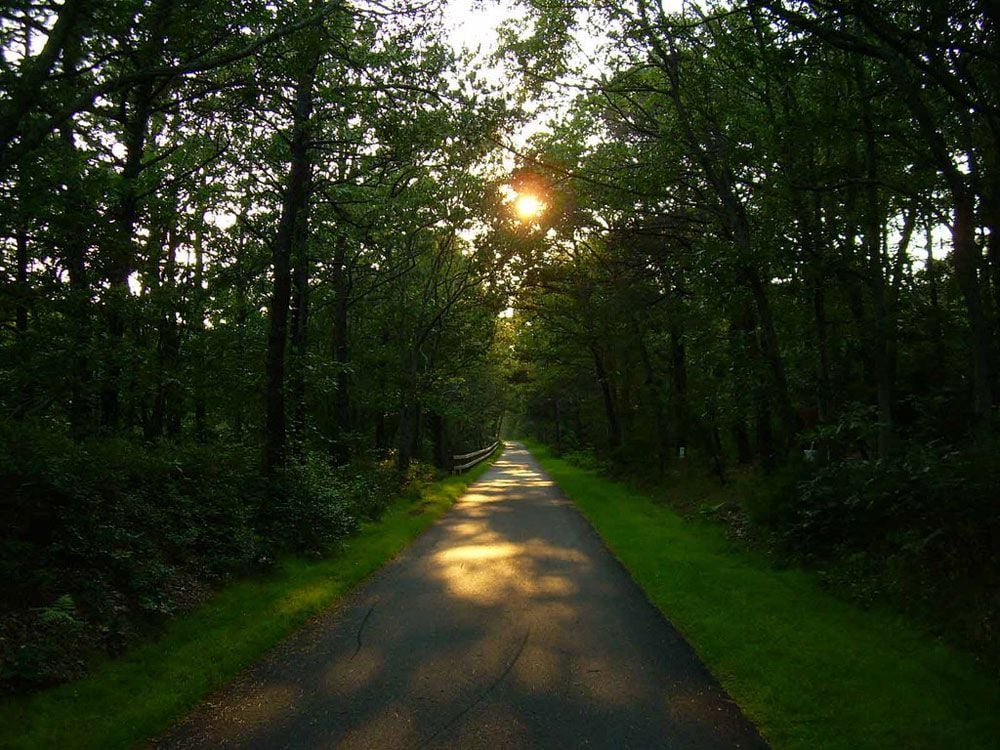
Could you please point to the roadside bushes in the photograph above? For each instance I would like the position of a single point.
(320, 505)
(918, 529)
(101, 540)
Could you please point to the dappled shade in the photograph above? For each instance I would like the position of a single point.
(507, 625)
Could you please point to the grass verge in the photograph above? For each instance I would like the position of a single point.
(810, 670)
(135, 697)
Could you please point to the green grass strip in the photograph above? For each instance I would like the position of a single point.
(812, 671)
(137, 696)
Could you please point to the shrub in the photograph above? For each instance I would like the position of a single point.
(920, 528)
(314, 511)
(102, 539)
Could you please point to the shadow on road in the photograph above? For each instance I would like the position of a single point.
(506, 625)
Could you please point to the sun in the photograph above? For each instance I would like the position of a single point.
(528, 207)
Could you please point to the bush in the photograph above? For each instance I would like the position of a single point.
(314, 511)
(126, 533)
(920, 527)
(588, 459)
(102, 539)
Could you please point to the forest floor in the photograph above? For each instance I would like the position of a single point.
(127, 700)
(507, 624)
(812, 671)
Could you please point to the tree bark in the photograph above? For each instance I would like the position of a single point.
(136, 110)
(409, 415)
(299, 335)
(121, 252)
(678, 380)
(34, 71)
(876, 275)
(558, 417)
(198, 321)
(966, 258)
(772, 354)
(21, 282)
(22, 294)
(74, 239)
(165, 414)
(341, 355)
(294, 202)
(610, 408)
(439, 437)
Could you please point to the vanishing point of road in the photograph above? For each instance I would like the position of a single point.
(507, 624)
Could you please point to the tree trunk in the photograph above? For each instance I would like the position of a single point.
(341, 355)
(409, 415)
(136, 113)
(966, 255)
(439, 438)
(407, 437)
(198, 344)
(678, 380)
(121, 254)
(762, 429)
(166, 413)
(380, 433)
(876, 276)
(824, 386)
(299, 335)
(22, 293)
(991, 211)
(21, 281)
(966, 258)
(294, 202)
(558, 418)
(744, 453)
(772, 354)
(74, 245)
(610, 409)
(745, 327)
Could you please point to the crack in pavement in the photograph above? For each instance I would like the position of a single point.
(482, 696)
(361, 628)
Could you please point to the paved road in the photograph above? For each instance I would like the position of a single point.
(506, 625)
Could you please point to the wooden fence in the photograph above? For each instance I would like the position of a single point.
(473, 458)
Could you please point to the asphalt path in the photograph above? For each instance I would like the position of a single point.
(507, 624)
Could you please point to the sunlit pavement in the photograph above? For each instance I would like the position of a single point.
(506, 625)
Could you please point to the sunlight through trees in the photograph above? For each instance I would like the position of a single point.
(264, 261)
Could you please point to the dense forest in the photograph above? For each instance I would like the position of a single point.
(260, 266)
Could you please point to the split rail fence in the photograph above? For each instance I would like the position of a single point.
(471, 459)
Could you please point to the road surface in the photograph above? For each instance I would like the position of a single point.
(507, 624)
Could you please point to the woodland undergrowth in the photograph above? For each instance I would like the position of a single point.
(105, 539)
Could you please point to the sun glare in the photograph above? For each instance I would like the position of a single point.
(528, 207)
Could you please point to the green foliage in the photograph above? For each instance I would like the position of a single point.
(917, 529)
(764, 262)
(312, 511)
(43, 646)
(104, 539)
(131, 532)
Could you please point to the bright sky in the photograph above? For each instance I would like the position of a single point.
(474, 23)
(473, 26)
